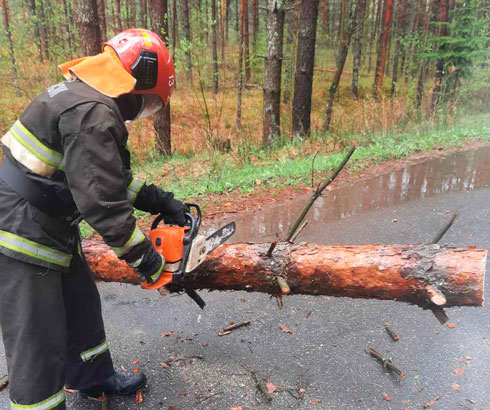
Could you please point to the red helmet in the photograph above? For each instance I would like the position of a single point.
(144, 55)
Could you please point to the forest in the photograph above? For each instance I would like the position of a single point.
(261, 73)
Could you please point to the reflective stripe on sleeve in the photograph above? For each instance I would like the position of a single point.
(157, 274)
(47, 404)
(136, 238)
(94, 352)
(36, 147)
(30, 248)
(134, 188)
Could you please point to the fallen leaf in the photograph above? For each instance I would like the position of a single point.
(456, 386)
(271, 388)
(135, 362)
(179, 340)
(431, 402)
(237, 408)
(467, 357)
(386, 397)
(258, 182)
(459, 371)
(183, 393)
(285, 329)
(136, 370)
(172, 407)
(166, 334)
(165, 365)
(139, 397)
(314, 402)
(205, 344)
(451, 325)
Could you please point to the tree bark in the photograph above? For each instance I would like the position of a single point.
(401, 27)
(255, 20)
(87, 22)
(13, 67)
(240, 66)
(103, 21)
(291, 41)
(439, 74)
(405, 273)
(272, 75)
(382, 49)
(246, 41)
(214, 41)
(342, 56)
(175, 26)
(305, 63)
(356, 55)
(224, 11)
(187, 34)
(31, 6)
(118, 15)
(162, 121)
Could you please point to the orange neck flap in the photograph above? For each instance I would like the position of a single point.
(103, 72)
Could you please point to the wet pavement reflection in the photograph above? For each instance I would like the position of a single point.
(459, 172)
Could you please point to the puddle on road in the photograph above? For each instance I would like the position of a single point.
(461, 171)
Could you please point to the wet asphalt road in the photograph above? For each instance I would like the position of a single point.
(325, 353)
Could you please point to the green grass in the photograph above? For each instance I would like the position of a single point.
(223, 173)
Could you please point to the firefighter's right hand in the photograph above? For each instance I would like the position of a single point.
(150, 266)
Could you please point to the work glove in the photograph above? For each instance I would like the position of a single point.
(156, 201)
(150, 266)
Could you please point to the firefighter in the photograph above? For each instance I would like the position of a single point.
(65, 159)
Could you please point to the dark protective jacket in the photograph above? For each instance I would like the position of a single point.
(72, 141)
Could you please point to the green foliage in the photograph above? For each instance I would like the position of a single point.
(466, 39)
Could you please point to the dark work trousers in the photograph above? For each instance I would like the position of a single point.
(52, 330)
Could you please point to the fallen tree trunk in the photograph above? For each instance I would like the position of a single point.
(424, 275)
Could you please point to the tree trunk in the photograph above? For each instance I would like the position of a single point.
(356, 57)
(305, 63)
(162, 121)
(246, 41)
(174, 26)
(272, 75)
(405, 273)
(342, 56)
(291, 41)
(118, 15)
(187, 34)
(143, 14)
(240, 66)
(87, 22)
(439, 74)
(401, 27)
(214, 41)
(255, 19)
(13, 67)
(382, 49)
(31, 6)
(43, 29)
(224, 11)
(103, 22)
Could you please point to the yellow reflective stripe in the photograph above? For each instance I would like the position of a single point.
(36, 147)
(156, 275)
(36, 250)
(94, 352)
(134, 188)
(50, 403)
(136, 238)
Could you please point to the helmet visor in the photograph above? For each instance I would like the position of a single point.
(151, 104)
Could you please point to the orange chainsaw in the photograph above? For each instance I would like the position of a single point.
(184, 249)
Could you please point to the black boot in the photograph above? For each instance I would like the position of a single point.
(117, 383)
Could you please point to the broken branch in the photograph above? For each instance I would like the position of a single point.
(285, 289)
(227, 330)
(444, 229)
(261, 385)
(318, 192)
(392, 334)
(386, 362)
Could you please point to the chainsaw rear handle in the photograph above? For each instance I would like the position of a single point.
(193, 222)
